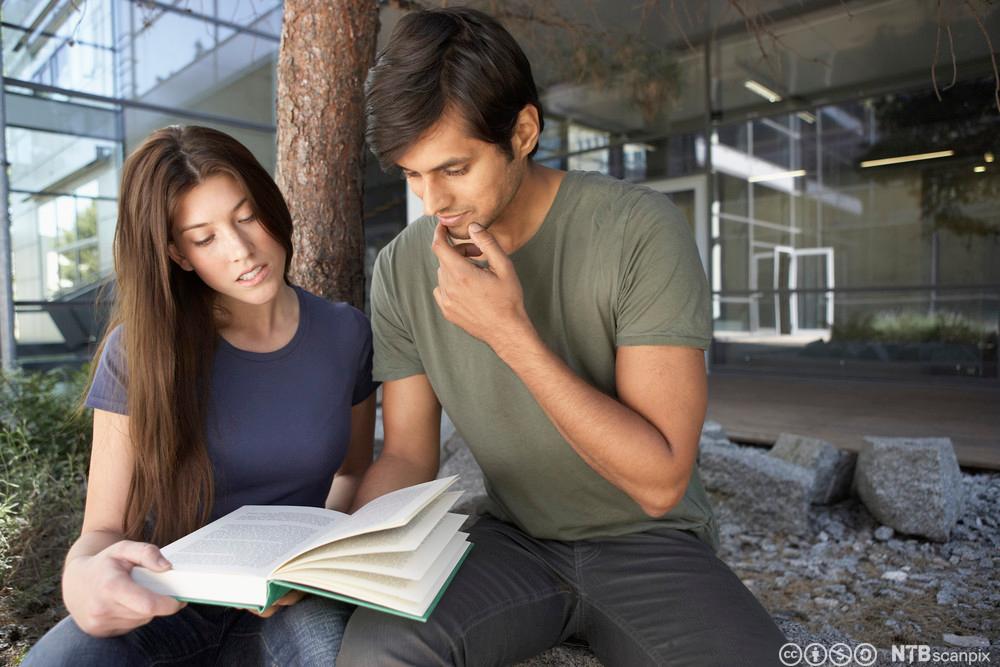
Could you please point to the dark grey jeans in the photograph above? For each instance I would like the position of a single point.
(654, 598)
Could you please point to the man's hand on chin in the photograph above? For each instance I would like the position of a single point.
(485, 302)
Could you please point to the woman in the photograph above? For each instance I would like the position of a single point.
(219, 385)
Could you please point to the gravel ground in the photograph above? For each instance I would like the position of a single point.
(858, 581)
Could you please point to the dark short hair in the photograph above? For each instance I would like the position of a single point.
(438, 60)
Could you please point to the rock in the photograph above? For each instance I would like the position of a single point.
(897, 576)
(966, 641)
(884, 533)
(832, 467)
(946, 595)
(447, 427)
(913, 485)
(770, 494)
(714, 431)
(458, 460)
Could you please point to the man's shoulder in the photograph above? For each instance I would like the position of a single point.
(608, 188)
(410, 246)
(616, 202)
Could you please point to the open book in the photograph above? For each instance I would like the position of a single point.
(396, 554)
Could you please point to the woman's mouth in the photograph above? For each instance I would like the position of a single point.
(254, 275)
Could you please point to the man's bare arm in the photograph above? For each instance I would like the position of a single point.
(411, 417)
(645, 443)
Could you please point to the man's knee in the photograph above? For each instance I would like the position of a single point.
(375, 638)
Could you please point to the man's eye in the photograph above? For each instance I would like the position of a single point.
(205, 242)
(456, 172)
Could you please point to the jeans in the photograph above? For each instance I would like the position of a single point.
(660, 597)
(306, 633)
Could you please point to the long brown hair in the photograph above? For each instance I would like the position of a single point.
(168, 322)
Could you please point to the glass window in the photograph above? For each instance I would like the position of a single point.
(874, 252)
(60, 44)
(179, 60)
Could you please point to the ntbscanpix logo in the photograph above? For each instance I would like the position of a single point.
(838, 655)
(922, 653)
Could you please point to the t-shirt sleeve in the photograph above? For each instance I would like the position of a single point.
(663, 294)
(364, 385)
(108, 390)
(396, 354)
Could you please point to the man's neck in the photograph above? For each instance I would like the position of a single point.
(526, 212)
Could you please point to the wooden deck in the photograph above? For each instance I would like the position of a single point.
(757, 408)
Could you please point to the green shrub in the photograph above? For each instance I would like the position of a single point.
(44, 444)
(911, 327)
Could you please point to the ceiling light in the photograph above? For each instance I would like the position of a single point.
(762, 90)
(988, 157)
(906, 158)
(775, 176)
(807, 117)
(979, 168)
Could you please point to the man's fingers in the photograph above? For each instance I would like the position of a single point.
(286, 600)
(447, 255)
(289, 598)
(497, 258)
(140, 553)
(468, 250)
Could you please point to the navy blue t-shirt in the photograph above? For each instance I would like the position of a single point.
(278, 423)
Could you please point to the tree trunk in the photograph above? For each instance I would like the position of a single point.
(326, 49)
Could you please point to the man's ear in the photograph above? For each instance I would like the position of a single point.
(180, 259)
(526, 131)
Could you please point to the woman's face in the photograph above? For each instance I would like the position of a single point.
(217, 235)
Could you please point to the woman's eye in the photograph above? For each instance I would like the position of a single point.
(249, 218)
(205, 242)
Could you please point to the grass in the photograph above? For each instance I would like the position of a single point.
(44, 445)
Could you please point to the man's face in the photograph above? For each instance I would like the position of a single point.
(460, 179)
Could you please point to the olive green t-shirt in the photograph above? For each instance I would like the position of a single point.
(612, 264)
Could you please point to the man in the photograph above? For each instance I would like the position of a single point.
(560, 320)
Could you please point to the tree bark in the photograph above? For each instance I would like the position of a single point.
(326, 49)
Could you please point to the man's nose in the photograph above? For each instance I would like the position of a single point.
(436, 197)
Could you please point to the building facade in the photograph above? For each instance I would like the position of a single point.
(847, 218)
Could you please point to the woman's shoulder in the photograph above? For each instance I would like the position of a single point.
(336, 314)
(113, 345)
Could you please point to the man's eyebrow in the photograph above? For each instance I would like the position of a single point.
(451, 162)
(202, 224)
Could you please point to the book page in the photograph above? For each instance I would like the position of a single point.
(403, 564)
(418, 609)
(405, 538)
(389, 511)
(252, 540)
(381, 589)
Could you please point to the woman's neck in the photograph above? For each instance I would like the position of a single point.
(261, 327)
